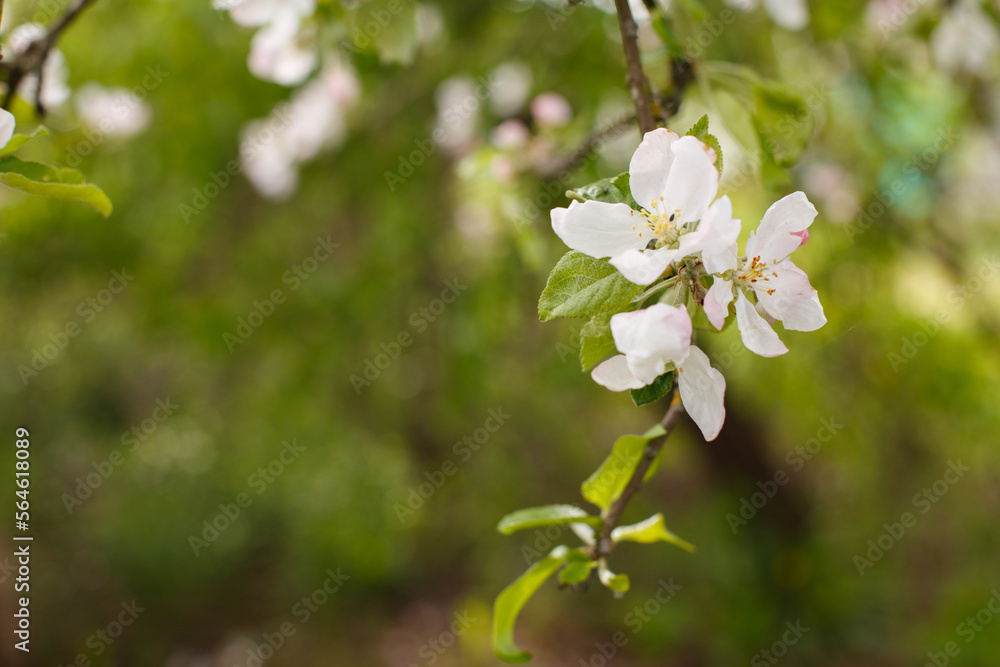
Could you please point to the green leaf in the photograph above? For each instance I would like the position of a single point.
(596, 341)
(613, 190)
(59, 183)
(646, 532)
(19, 140)
(655, 391)
(607, 482)
(700, 131)
(513, 598)
(578, 567)
(581, 286)
(783, 121)
(547, 515)
(619, 583)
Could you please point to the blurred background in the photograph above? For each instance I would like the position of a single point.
(307, 376)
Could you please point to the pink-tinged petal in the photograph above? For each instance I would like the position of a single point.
(652, 338)
(703, 391)
(717, 301)
(716, 232)
(789, 14)
(650, 166)
(720, 262)
(6, 127)
(775, 238)
(763, 313)
(757, 335)
(804, 235)
(692, 182)
(615, 375)
(789, 298)
(642, 267)
(600, 229)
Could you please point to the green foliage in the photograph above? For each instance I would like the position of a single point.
(581, 286)
(614, 190)
(783, 121)
(648, 531)
(654, 391)
(578, 567)
(606, 484)
(56, 182)
(596, 341)
(19, 140)
(547, 515)
(700, 131)
(619, 583)
(513, 598)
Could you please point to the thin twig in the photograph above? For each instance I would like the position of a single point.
(604, 544)
(593, 141)
(32, 59)
(638, 84)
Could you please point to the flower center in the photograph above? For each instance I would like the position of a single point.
(662, 223)
(755, 275)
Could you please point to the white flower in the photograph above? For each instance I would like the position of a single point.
(653, 341)
(551, 110)
(117, 112)
(55, 74)
(674, 180)
(782, 289)
(281, 53)
(6, 127)
(965, 39)
(254, 13)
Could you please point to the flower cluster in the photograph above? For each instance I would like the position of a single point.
(283, 49)
(683, 237)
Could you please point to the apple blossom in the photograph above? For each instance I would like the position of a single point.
(116, 111)
(653, 341)
(6, 127)
(674, 180)
(782, 289)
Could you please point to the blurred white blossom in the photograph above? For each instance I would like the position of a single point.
(117, 112)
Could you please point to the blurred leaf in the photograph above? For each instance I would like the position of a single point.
(783, 121)
(619, 583)
(581, 286)
(596, 341)
(19, 140)
(700, 131)
(547, 515)
(578, 567)
(59, 183)
(513, 598)
(654, 391)
(607, 482)
(651, 530)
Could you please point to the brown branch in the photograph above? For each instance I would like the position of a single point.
(604, 544)
(681, 75)
(32, 59)
(638, 84)
(593, 141)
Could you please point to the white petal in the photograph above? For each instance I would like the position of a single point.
(775, 237)
(717, 301)
(787, 296)
(600, 229)
(720, 262)
(277, 53)
(789, 14)
(692, 182)
(716, 232)
(652, 338)
(615, 375)
(650, 166)
(642, 267)
(757, 335)
(6, 127)
(703, 391)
